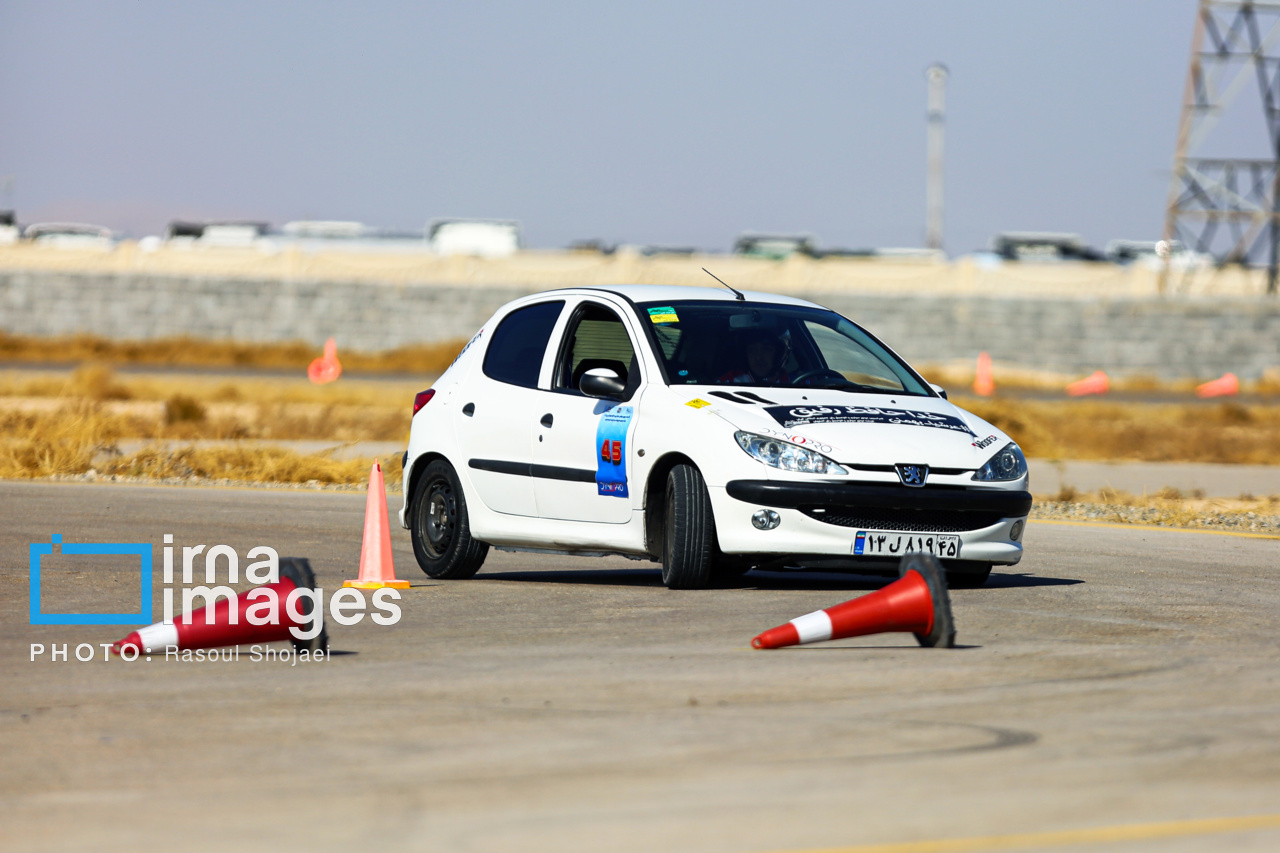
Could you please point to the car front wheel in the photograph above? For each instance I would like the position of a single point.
(438, 526)
(689, 531)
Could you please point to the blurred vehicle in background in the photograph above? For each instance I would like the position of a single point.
(906, 253)
(1042, 247)
(846, 253)
(70, 235)
(649, 251)
(485, 238)
(1153, 253)
(327, 229)
(592, 247)
(9, 231)
(234, 234)
(334, 235)
(775, 247)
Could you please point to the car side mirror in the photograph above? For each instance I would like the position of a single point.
(942, 392)
(601, 382)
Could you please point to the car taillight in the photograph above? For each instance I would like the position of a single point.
(422, 398)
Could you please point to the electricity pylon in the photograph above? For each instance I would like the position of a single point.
(1229, 206)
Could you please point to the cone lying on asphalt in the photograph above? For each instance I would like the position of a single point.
(377, 569)
(1095, 383)
(190, 631)
(917, 602)
(1226, 385)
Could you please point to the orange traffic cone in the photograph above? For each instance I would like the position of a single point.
(190, 632)
(917, 602)
(376, 566)
(1225, 386)
(1095, 383)
(984, 384)
(326, 368)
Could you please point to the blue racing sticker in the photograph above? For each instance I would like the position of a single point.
(611, 451)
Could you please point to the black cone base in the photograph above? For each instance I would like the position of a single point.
(298, 570)
(927, 566)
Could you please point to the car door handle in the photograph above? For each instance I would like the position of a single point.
(469, 409)
(547, 420)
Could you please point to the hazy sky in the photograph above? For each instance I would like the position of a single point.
(676, 123)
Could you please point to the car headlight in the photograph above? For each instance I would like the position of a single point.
(783, 454)
(1008, 464)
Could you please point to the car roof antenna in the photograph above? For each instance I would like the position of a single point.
(736, 292)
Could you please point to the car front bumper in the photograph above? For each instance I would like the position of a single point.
(823, 518)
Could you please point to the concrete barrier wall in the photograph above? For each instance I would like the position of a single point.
(1169, 337)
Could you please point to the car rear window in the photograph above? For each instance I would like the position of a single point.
(515, 352)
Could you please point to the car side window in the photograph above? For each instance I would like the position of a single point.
(515, 352)
(596, 337)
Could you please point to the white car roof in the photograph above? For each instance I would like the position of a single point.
(673, 293)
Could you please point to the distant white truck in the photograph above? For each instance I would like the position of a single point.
(485, 238)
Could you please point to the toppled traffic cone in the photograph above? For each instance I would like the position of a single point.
(1226, 385)
(377, 569)
(984, 384)
(917, 602)
(193, 631)
(326, 368)
(1095, 383)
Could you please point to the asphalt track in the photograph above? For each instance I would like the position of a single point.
(1119, 691)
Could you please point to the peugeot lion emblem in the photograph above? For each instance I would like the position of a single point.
(913, 475)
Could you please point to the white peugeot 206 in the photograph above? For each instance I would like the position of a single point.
(710, 430)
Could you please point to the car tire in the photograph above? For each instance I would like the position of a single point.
(967, 574)
(689, 531)
(439, 527)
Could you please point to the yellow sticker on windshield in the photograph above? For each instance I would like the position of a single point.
(698, 403)
(665, 314)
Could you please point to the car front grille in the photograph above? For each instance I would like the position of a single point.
(905, 520)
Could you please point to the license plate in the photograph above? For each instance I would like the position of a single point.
(873, 543)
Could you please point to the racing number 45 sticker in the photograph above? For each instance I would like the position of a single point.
(611, 451)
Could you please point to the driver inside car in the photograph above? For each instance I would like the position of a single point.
(764, 357)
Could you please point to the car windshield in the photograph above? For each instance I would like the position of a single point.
(768, 345)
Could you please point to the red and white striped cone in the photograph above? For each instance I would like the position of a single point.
(190, 631)
(917, 602)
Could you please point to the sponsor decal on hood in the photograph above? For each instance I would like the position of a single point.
(801, 416)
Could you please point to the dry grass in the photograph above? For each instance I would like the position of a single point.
(55, 423)
(97, 381)
(248, 464)
(420, 358)
(192, 406)
(1087, 429)
(42, 445)
(66, 440)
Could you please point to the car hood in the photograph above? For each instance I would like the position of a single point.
(859, 429)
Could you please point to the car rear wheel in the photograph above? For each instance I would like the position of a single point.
(967, 574)
(438, 526)
(689, 531)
